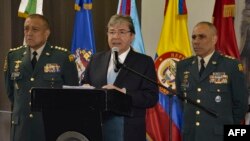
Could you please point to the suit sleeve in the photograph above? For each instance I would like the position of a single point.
(70, 74)
(239, 93)
(147, 95)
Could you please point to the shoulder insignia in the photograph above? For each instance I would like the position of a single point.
(230, 57)
(240, 66)
(71, 58)
(190, 57)
(60, 48)
(17, 48)
(5, 65)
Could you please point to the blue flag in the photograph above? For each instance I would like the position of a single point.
(83, 42)
(128, 7)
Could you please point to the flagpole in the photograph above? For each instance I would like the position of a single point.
(170, 115)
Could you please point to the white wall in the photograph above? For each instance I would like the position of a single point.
(198, 10)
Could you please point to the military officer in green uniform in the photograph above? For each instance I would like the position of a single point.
(49, 66)
(213, 80)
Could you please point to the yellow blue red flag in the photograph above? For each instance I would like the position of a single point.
(164, 121)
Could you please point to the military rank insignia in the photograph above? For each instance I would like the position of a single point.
(71, 58)
(240, 66)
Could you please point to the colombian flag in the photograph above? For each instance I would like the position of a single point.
(164, 121)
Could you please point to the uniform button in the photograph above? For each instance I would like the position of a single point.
(198, 101)
(218, 90)
(197, 123)
(197, 112)
(30, 91)
(30, 103)
(32, 79)
(31, 115)
(199, 89)
(185, 94)
(12, 122)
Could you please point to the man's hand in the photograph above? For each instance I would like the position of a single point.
(111, 86)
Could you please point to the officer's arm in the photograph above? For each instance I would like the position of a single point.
(239, 93)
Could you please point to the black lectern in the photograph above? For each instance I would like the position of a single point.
(76, 114)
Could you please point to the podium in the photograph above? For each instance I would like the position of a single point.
(76, 114)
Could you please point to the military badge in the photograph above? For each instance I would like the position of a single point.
(240, 66)
(166, 69)
(17, 65)
(52, 68)
(214, 62)
(185, 82)
(71, 58)
(47, 53)
(217, 99)
(5, 64)
(218, 78)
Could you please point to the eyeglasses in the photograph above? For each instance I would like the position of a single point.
(120, 33)
(199, 36)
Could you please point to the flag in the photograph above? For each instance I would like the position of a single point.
(174, 45)
(28, 7)
(83, 42)
(128, 7)
(223, 19)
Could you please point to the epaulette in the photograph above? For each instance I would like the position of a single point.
(190, 57)
(70, 56)
(17, 48)
(59, 48)
(227, 56)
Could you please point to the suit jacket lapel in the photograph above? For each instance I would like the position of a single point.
(26, 60)
(43, 59)
(210, 66)
(128, 61)
(104, 67)
(194, 70)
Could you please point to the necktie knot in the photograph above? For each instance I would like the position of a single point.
(34, 54)
(202, 61)
(202, 68)
(34, 60)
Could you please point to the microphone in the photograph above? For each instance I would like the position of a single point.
(117, 64)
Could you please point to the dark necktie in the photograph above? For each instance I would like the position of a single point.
(202, 66)
(34, 60)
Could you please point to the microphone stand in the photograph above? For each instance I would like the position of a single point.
(212, 113)
(172, 93)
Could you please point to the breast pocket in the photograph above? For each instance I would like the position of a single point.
(218, 89)
(53, 77)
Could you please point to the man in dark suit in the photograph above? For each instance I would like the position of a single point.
(213, 80)
(49, 67)
(100, 74)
